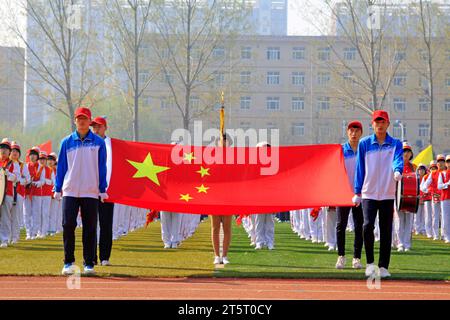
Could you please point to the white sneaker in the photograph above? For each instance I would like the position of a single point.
(217, 260)
(28, 237)
(225, 260)
(106, 263)
(447, 241)
(252, 243)
(89, 270)
(340, 264)
(67, 269)
(400, 249)
(174, 245)
(258, 247)
(384, 273)
(315, 241)
(331, 248)
(435, 238)
(3, 245)
(370, 269)
(270, 247)
(356, 263)
(407, 249)
(166, 246)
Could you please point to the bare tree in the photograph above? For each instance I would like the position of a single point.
(192, 45)
(129, 21)
(58, 52)
(365, 29)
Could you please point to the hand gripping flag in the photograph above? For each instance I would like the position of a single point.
(189, 179)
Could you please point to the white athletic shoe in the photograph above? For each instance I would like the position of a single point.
(217, 260)
(258, 247)
(384, 273)
(447, 241)
(89, 270)
(331, 248)
(225, 260)
(252, 243)
(3, 245)
(166, 246)
(270, 247)
(315, 241)
(340, 264)
(174, 245)
(400, 249)
(28, 237)
(370, 269)
(356, 263)
(407, 249)
(106, 263)
(67, 269)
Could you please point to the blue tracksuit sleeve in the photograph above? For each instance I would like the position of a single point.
(102, 167)
(397, 164)
(61, 168)
(360, 171)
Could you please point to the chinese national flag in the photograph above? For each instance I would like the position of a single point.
(168, 178)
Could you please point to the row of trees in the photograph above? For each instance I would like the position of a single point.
(80, 49)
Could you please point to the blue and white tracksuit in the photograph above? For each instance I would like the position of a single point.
(374, 180)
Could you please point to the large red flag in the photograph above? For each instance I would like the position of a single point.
(149, 175)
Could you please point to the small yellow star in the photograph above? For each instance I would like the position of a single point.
(203, 171)
(186, 197)
(189, 157)
(202, 188)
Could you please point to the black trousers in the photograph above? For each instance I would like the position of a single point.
(105, 218)
(89, 211)
(385, 210)
(342, 220)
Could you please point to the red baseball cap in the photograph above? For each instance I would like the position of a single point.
(99, 120)
(82, 111)
(380, 114)
(355, 124)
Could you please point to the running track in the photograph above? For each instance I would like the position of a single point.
(96, 288)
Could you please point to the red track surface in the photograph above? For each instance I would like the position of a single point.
(214, 288)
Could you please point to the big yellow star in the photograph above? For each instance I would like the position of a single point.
(147, 169)
(203, 171)
(186, 197)
(189, 156)
(202, 188)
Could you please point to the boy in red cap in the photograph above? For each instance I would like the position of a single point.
(81, 182)
(379, 165)
(354, 133)
(19, 190)
(12, 172)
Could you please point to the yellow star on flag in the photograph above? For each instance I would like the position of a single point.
(203, 171)
(189, 156)
(202, 188)
(147, 169)
(186, 197)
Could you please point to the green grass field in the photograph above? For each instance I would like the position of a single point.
(141, 253)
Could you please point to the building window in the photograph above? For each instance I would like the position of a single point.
(273, 53)
(324, 54)
(397, 130)
(271, 125)
(144, 76)
(399, 104)
(424, 130)
(298, 53)
(298, 129)
(447, 131)
(246, 53)
(166, 103)
(423, 105)
(194, 102)
(298, 103)
(423, 54)
(447, 105)
(273, 103)
(349, 78)
(219, 78)
(167, 78)
(245, 77)
(273, 77)
(298, 78)
(400, 80)
(324, 130)
(350, 53)
(399, 56)
(219, 52)
(447, 80)
(323, 103)
(245, 103)
(323, 78)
